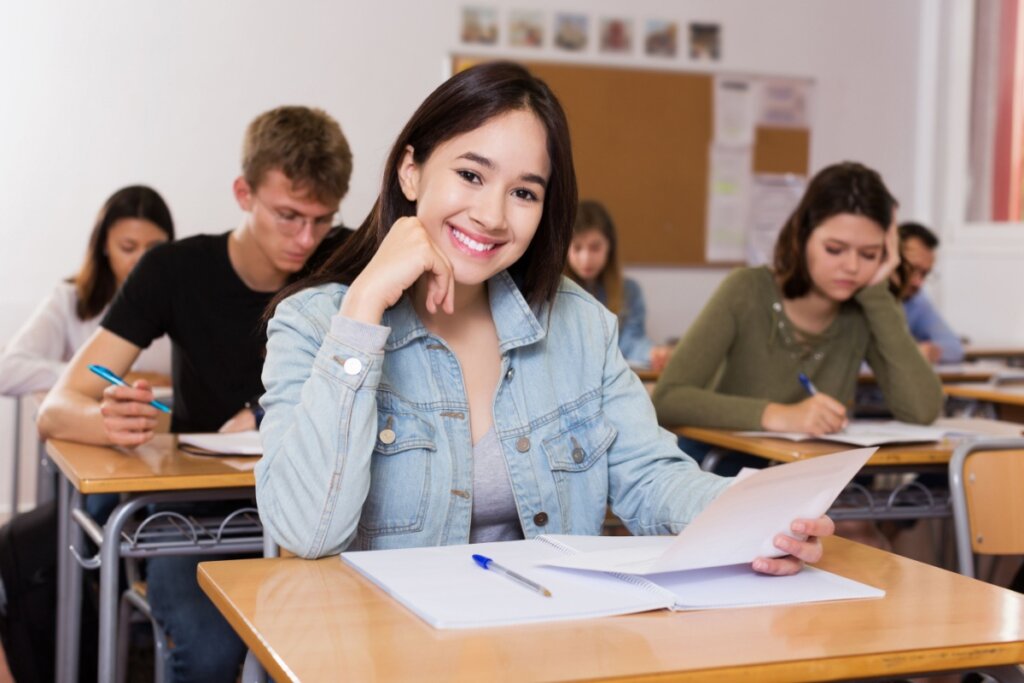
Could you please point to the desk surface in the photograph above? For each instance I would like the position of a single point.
(1007, 352)
(1006, 394)
(321, 620)
(154, 466)
(783, 450)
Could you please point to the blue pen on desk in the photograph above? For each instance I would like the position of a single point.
(488, 563)
(114, 379)
(807, 383)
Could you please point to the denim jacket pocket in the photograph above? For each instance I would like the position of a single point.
(577, 448)
(401, 461)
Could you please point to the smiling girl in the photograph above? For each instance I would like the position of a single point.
(438, 381)
(822, 310)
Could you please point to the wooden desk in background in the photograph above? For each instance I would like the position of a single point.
(156, 472)
(906, 500)
(1014, 355)
(320, 620)
(1006, 400)
(951, 373)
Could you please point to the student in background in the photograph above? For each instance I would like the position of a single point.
(208, 293)
(594, 264)
(936, 340)
(439, 382)
(821, 310)
(132, 221)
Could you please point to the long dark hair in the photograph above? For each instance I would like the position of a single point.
(592, 215)
(95, 283)
(461, 104)
(847, 187)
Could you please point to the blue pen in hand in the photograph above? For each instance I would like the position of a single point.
(807, 384)
(114, 379)
(488, 563)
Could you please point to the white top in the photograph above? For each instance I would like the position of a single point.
(38, 353)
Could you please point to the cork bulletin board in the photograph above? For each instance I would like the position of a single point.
(641, 146)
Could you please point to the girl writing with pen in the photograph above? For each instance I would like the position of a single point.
(439, 381)
(819, 311)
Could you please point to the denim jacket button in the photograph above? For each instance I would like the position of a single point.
(523, 444)
(353, 366)
(540, 519)
(387, 436)
(578, 454)
(510, 374)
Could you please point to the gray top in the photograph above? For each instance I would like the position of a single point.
(495, 517)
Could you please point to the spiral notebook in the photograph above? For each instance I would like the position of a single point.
(707, 565)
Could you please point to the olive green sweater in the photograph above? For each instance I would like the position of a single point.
(742, 354)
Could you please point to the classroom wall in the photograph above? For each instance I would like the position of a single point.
(102, 94)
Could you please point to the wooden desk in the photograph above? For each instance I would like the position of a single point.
(895, 455)
(1005, 401)
(648, 375)
(154, 466)
(1003, 394)
(954, 372)
(1012, 354)
(156, 472)
(320, 620)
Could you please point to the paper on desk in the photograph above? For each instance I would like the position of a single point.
(865, 433)
(232, 443)
(742, 522)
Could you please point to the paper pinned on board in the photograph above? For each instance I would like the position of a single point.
(742, 522)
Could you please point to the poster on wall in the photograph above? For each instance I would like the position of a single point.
(735, 110)
(773, 198)
(661, 38)
(784, 103)
(525, 28)
(571, 31)
(705, 42)
(728, 203)
(616, 35)
(479, 25)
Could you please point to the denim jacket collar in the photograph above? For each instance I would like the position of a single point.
(517, 324)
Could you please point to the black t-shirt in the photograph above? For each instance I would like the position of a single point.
(189, 291)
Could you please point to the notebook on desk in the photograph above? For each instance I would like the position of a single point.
(705, 566)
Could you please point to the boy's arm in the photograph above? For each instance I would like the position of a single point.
(86, 408)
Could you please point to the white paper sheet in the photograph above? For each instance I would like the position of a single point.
(736, 107)
(773, 197)
(235, 443)
(742, 522)
(728, 211)
(867, 433)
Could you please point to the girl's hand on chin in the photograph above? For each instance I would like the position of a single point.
(402, 258)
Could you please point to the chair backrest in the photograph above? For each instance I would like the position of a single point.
(986, 480)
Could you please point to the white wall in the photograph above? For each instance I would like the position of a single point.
(97, 95)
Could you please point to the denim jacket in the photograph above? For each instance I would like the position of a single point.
(367, 439)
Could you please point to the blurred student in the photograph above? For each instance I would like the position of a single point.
(935, 338)
(132, 221)
(208, 293)
(594, 264)
(821, 310)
